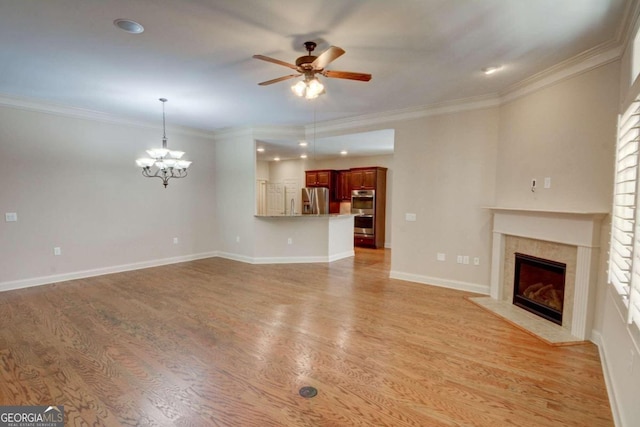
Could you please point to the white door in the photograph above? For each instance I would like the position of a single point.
(292, 193)
(275, 198)
(261, 197)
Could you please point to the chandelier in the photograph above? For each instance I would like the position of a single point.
(164, 163)
(310, 87)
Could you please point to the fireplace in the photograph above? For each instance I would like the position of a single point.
(538, 286)
(569, 237)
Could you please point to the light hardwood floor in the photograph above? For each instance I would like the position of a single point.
(221, 343)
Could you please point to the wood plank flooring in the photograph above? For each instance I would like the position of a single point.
(216, 342)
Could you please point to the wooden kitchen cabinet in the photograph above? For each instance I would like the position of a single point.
(343, 192)
(368, 178)
(325, 178)
(367, 242)
(364, 178)
(320, 178)
(372, 178)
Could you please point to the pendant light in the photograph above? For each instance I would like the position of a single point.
(164, 163)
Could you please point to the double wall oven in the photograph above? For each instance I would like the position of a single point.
(363, 204)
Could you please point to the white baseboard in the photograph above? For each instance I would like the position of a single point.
(236, 257)
(596, 338)
(443, 283)
(44, 280)
(342, 255)
(286, 260)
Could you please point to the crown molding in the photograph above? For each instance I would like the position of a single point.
(563, 71)
(233, 133)
(629, 23)
(261, 132)
(279, 132)
(349, 123)
(33, 105)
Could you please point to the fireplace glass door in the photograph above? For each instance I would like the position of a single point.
(539, 286)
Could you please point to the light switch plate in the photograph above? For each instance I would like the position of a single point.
(410, 217)
(11, 217)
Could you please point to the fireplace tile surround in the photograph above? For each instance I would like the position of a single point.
(572, 238)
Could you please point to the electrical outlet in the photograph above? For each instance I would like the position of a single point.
(57, 251)
(10, 217)
(459, 259)
(237, 239)
(441, 256)
(476, 261)
(175, 240)
(465, 259)
(289, 241)
(547, 182)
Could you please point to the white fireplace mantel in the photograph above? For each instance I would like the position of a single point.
(580, 229)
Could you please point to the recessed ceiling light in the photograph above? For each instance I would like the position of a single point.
(260, 150)
(129, 26)
(303, 156)
(277, 159)
(491, 70)
(344, 152)
(302, 143)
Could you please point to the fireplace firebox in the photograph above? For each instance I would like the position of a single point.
(539, 286)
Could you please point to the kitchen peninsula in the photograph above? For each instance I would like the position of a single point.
(303, 238)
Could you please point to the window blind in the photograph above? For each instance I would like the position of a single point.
(624, 253)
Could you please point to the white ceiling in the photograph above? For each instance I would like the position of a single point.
(373, 143)
(198, 53)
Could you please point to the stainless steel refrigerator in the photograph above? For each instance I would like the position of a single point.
(315, 201)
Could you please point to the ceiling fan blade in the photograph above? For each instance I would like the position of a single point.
(327, 56)
(275, 61)
(347, 75)
(279, 79)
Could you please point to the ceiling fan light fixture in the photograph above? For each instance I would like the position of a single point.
(308, 66)
(308, 88)
(299, 88)
(314, 89)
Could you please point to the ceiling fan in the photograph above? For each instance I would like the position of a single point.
(308, 66)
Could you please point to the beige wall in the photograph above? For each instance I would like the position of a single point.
(74, 184)
(235, 181)
(564, 132)
(445, 174)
